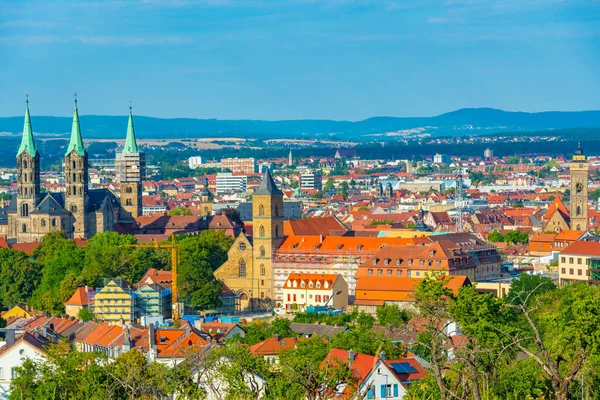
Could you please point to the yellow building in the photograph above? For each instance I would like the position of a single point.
(16, 311)
(115, 303)
(248, 270)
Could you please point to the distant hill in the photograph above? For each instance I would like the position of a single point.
(460, 122)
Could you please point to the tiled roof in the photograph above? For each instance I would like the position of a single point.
(79, 298)
(583, 248)
(313, 226)
(273, 345)
(308, 278)
(361, 365)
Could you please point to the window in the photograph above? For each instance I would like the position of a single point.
(302, 284)
(310, 296)
(53, 222)
(262, 295)
(262, 251)
(579, 273)
(421, 263)
(289, 297)
(579, 260)
(379, 272)
(261, 210)
(570, 260)
(13, 373)
(325, 298)
(571, 271)
(417, 273)
(399, 272)
(263, 270)
(74, 164)
(370, 272)
(438, 263)
(74, 176)
(294, 296)
(1, 373)
(261, 231)
(43, 222)
(129, 189)
(408, 273)
(24, 228)
(242, 268)
(563, 271)
(242, 246)
(389, 272)
(25, 210)
(397, 261)
(318, 298)
(410, 263)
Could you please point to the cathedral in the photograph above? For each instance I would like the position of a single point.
(77, 210)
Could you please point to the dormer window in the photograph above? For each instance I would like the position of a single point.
(370, 272)
(397, 261)
(326, 285)
(359, 247)
(387, 261)
(374, 261)
(302, 284)
(431, 253)
(340, 246)
(318, 285)
(410, 262)
(310, 285)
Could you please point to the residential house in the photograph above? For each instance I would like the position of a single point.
(14, 352)
(305, 290)
(82, 298)
(115, 303)
(271, 347)
(579, 262)
(153, 302)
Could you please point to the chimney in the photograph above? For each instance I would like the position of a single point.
(126, 346)
(51, 327)
(321, 238)
(10, 337)
(276, 337)
(350, 357)
(382, 355)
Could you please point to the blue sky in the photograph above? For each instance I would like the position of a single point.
(287, 59)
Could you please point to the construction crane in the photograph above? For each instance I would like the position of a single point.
(174, 246)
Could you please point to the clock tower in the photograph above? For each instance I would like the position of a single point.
(579, 190)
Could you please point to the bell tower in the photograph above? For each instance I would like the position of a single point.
(28, 180)
(579, 190)
(267, 236)
(131, 165)
(76, 178)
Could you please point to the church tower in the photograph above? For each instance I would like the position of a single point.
(579, 190)
(267, 234)
(28, 180)
(76, 178)
(131, 165)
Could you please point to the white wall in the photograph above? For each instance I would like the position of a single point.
(13, 358)
(381, 375)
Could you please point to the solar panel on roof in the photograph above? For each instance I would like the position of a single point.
(403, 368)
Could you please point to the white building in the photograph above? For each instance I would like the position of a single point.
(228, 183)
(307, 290)
(195, 162)
(13, 353)
(488, 153)
(311, 181)
(441, 159)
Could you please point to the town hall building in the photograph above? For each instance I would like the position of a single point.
(77, 210)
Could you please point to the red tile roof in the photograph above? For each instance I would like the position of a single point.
(583, 248)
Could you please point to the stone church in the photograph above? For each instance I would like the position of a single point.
(79, 211)
(558, 216)
(248, 270)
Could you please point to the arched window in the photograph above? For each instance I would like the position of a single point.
(262, 251)
(53, 222)
(261, 210)
(74, 164)
(128, 189)
(73, 208)
(243, 296)
(43, 222)
(24, 163)
(261, 231)
(25, 177)
(24, 228)
(24, 210)
(262, 270)
(128, 202)
(80, 189)
(74, 177)
(578, 210)
(74, 190)
(276, 230)
(242, 268)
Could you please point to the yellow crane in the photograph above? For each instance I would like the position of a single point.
(174, 246)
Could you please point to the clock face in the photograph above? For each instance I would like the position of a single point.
(579, 187)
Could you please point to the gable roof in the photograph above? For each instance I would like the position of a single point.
(79, 298)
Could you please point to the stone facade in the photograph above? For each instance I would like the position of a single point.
(579, 191)
(248, 270)
(77, 210)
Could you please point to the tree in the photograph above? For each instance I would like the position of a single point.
(367, 342)
(19, 277)
(85, 315)
(329, 185)
(344, 190)
(527, 286)
(200, 256)
(495, 237)
(516, 237)
(57, 257)
(131, 376)
(558, 330)
(178, 211)
(106, 257)
(391, 315)
(513, 160)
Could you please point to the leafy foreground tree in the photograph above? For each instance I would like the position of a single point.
(555, 329)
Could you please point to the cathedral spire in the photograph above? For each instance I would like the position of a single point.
(27, 143)
(130, 143)
(76, 142)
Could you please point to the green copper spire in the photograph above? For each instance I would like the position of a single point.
(76, 142)
(130, 143)
(27, 143)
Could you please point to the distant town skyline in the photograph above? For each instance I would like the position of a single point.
(298, 59)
